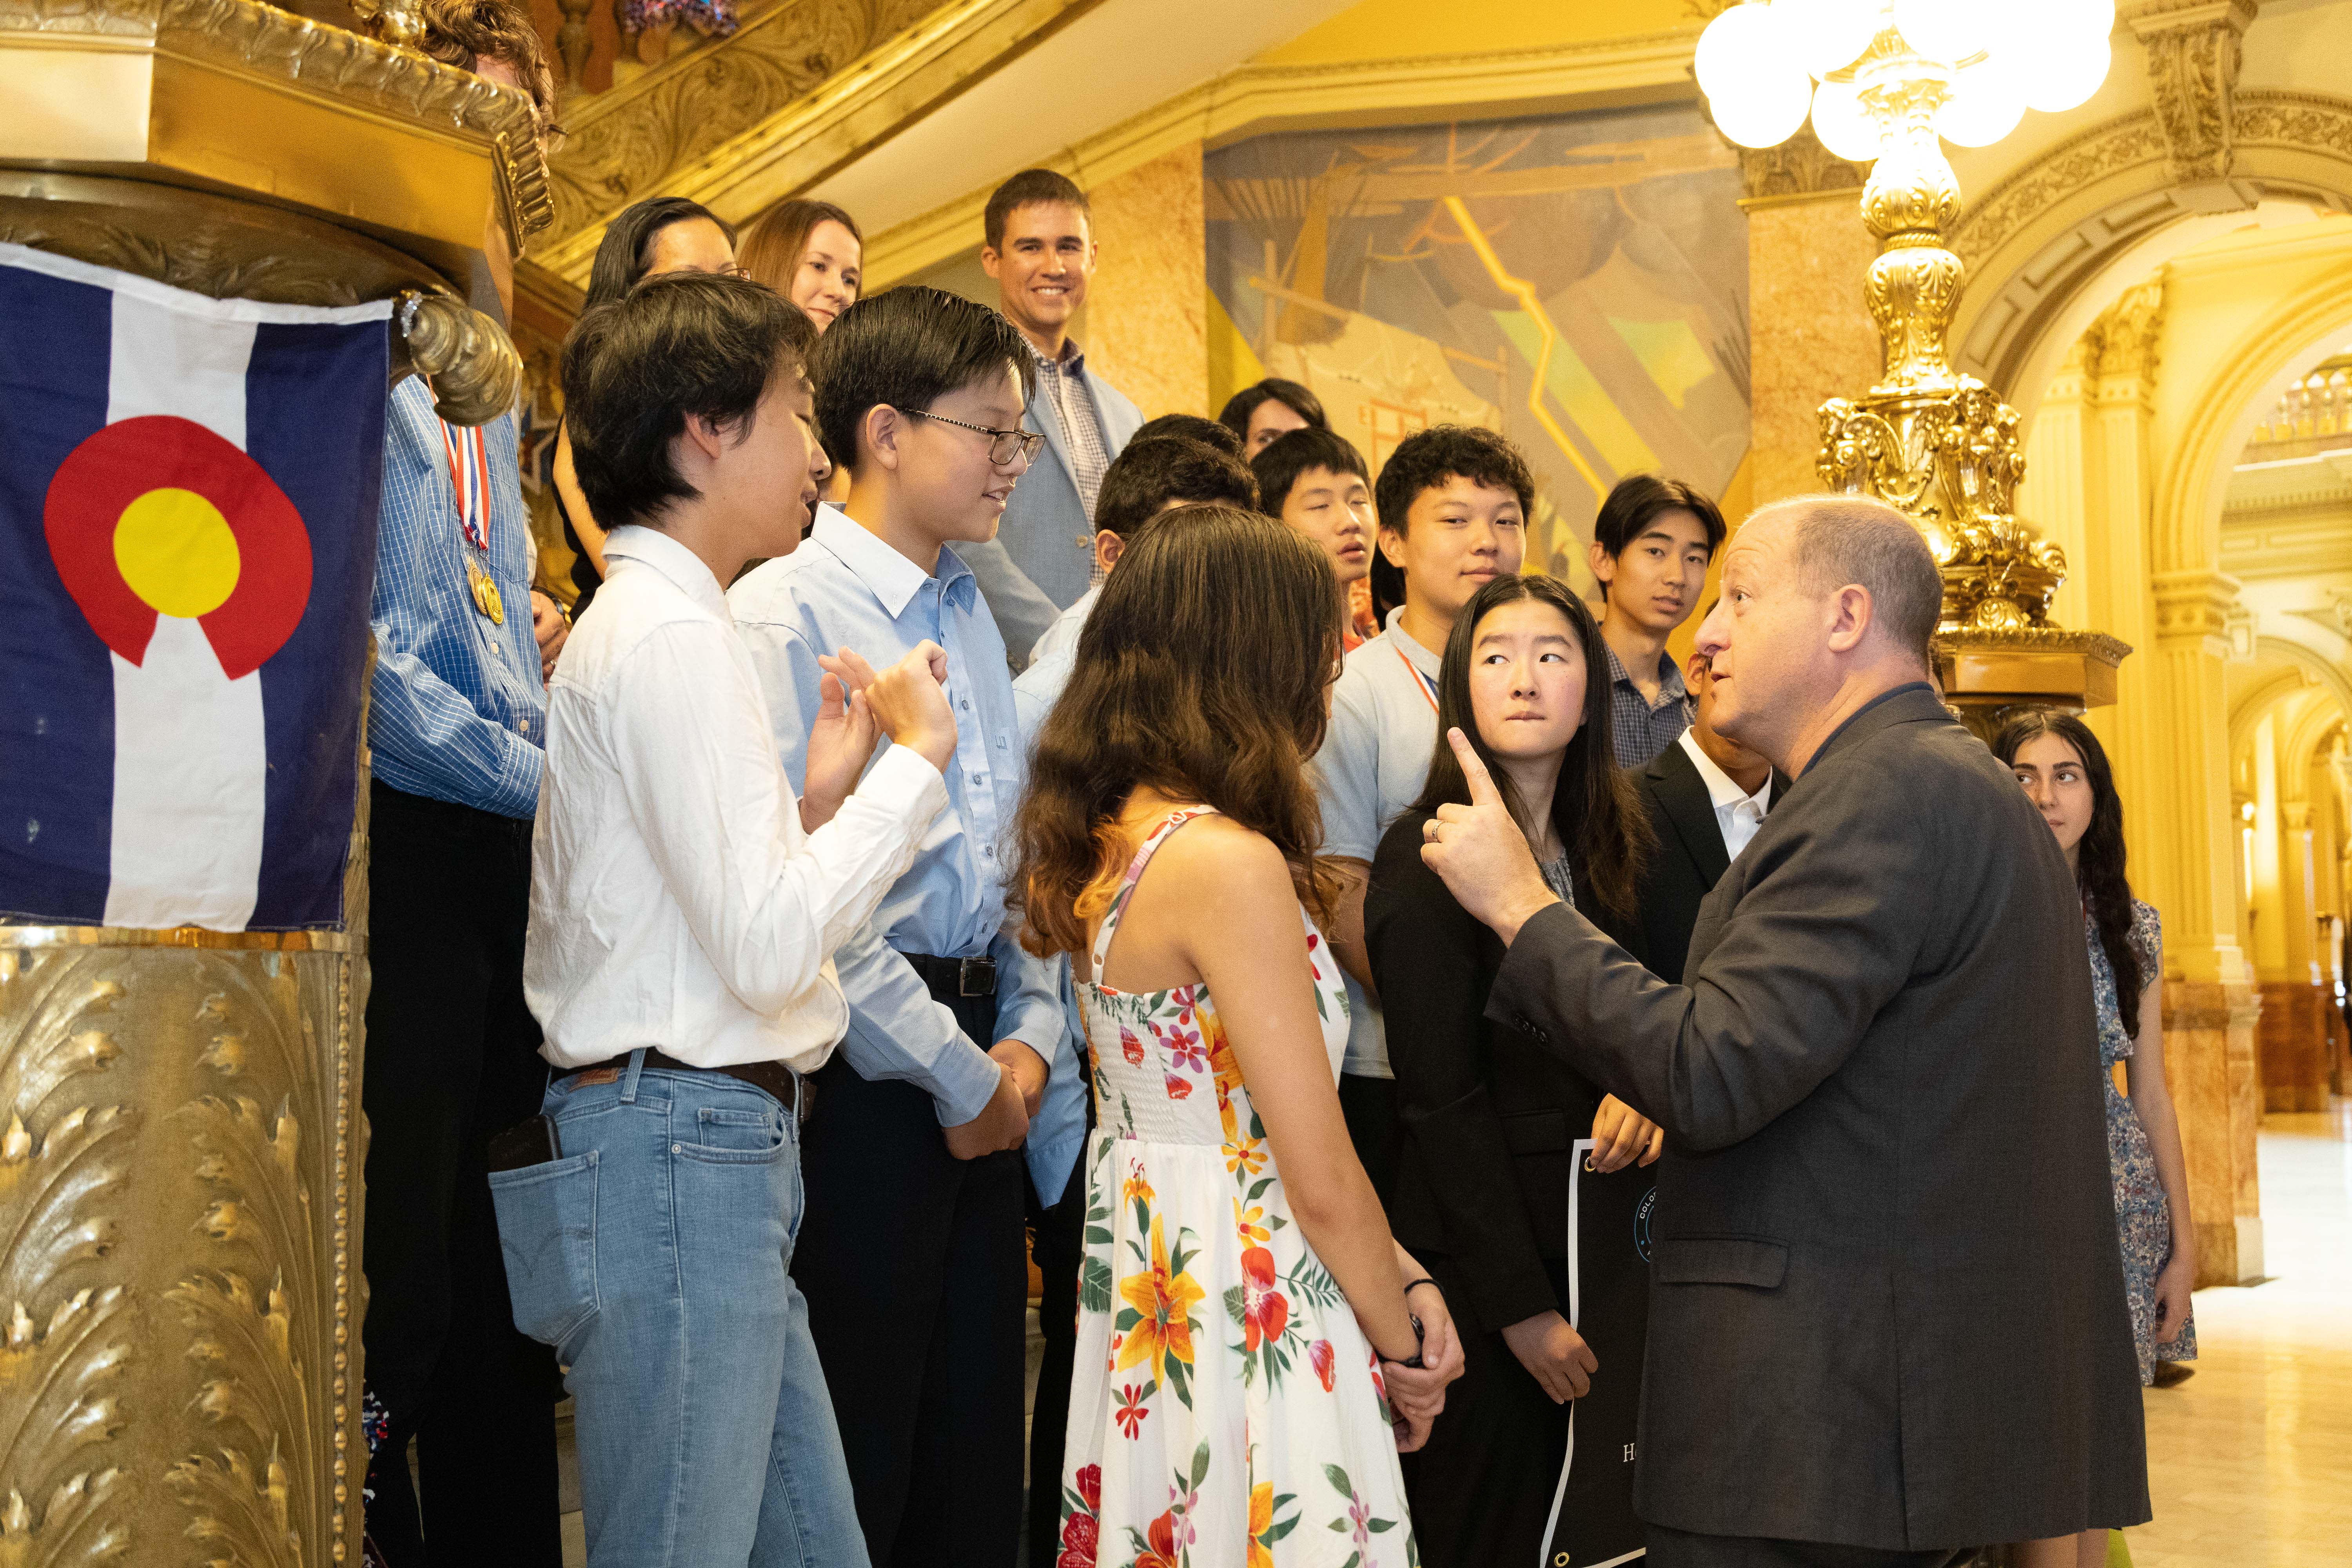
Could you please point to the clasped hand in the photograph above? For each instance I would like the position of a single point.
(855, 707)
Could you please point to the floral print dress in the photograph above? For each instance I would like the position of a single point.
(2143, 1218)
(1227, 1410)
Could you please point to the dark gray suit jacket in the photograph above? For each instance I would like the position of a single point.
(1690, 857)
(1888, 1303)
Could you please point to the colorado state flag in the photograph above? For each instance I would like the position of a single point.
(188, 492)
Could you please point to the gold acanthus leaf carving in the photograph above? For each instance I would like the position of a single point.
(621, 144)
(77, 1526)
(245, 1502)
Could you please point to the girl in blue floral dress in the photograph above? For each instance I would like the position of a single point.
(1253, 1347)
(2064, 770)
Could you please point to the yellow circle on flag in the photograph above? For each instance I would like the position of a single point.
(177, 552)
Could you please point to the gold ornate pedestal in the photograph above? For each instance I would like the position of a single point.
(179, 1184)
(181, 1145)
(1942, 447)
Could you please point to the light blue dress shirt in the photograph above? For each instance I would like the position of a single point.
(845, 588)
(456, 710)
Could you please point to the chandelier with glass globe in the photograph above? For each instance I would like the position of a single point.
(1888, 82)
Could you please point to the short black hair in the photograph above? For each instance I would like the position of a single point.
(1636, 500)
(1293, 453)
(1235, 415)
(1030, 187)
(1191, 427)
(626, 249)
(1146, 475)
(1427, 458)
(908, 347)
(685, 343)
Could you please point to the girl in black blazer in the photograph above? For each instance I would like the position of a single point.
(1519, 1183)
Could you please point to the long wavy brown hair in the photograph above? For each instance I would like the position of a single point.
(2099, 859)
(1203, 672)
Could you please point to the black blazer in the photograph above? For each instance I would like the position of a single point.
(1885, 1142)
(1488, 1116)
(1689, 858)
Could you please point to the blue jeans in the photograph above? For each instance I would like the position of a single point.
(654, 1257)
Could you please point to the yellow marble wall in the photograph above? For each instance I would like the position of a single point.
(1147, 317)
(1808, 337)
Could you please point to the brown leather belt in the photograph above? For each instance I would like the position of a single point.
(772, 1079)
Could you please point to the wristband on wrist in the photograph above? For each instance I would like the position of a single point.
(1424, 1279)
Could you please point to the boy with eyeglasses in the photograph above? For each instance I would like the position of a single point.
(911, 1254)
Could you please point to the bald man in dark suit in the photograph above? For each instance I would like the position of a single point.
(1885, 1153)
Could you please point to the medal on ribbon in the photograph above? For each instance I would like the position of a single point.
(469, 478)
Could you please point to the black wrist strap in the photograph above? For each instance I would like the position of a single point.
(1424, 1279)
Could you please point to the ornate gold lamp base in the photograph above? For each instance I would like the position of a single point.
(1992, 676)
(1942, 447)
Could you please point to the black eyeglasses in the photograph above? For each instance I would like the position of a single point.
(1002, 445)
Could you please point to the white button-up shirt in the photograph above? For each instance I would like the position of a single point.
(1736, 813)
(675, 900)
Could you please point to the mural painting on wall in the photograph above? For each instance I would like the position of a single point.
(1579, 282)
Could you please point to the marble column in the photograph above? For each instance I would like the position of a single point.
(1147, 327)
(2210, 1001)
(2112, 572)
(1809, 339)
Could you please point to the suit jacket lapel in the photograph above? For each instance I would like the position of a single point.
(1040, 416)
(1692, 811)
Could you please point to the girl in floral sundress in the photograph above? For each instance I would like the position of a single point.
(1253, 1347)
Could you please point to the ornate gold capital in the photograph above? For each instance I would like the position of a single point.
(2121, 345)
(2193, 54)
(2193, 607)
(1794, 169)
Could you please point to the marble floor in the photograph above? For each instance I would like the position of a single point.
(2250, 1461)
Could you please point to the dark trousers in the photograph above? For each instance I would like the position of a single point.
(1677, 1549)
(917, 1291)
(452, 1058)
(1060, 1231)
(1369, 1108)
(1482, 1489)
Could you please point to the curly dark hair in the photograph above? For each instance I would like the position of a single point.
(1594, 808)
(1164, 692)
(1425, 459)
(2099, 858)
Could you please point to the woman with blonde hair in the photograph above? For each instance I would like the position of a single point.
(810, 252)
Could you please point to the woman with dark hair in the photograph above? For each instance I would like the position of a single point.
(810, 252)
(1269, 410)
(661, 234)
(2065, 772)
(1513, 1180)
(1248, 1331)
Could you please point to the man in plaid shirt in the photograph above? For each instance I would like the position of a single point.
(1651, 546)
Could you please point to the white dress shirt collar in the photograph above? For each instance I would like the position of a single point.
(1738, 813)
(890, 577)
(633, 541)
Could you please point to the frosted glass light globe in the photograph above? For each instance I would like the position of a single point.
(1947, 30)
(1843, 125)
(2063, 72)
(1985, 105)
(1829, 35)
(1754, 86)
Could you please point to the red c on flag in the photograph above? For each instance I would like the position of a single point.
(102, 512)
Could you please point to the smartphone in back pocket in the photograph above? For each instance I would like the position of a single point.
(525, 1143)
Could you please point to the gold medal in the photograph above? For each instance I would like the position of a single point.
(485, 593)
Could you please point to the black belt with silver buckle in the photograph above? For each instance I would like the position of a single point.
(956, 976)
(774, 1079)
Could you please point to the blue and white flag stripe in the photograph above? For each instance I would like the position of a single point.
(158, 791)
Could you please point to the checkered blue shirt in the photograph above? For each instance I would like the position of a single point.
(1641, 729)
(457, 712)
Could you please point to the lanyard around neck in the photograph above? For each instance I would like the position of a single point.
(469, 478)
(1427, 687)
